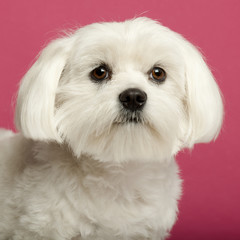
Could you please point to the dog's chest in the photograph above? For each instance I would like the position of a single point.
(98, 200)
(133, 200)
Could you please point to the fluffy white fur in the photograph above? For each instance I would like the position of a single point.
(76, 170)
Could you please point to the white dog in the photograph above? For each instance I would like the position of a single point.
(101, 115)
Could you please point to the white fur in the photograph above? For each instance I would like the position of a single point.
(75, 171)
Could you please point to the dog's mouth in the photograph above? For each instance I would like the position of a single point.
(127, 117)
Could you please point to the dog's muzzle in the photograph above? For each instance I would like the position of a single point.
(133, 99)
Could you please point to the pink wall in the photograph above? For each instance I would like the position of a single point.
(210, 206)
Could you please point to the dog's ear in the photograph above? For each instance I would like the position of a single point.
(203, 98)
(34, 115)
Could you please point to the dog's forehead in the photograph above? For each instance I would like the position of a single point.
(139, 39)
(126, 33)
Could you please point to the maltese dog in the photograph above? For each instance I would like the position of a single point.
(101, 115)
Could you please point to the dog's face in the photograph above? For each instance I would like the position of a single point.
(120, 91)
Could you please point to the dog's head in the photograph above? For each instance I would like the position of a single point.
(120, 91)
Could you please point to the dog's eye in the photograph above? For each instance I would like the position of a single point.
(100, 73)
(158, 74)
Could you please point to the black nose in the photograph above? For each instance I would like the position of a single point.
(133, 99)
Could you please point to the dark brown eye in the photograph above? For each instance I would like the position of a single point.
(158, 74)
(100, 73)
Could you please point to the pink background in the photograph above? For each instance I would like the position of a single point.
(210, 206)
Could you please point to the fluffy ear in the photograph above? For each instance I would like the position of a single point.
(34, 115)
(203, 100)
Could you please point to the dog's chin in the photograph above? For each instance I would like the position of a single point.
(127, 137)
(129, 140)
